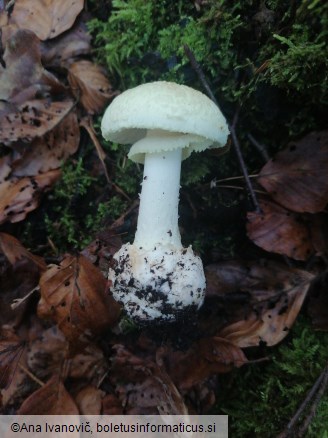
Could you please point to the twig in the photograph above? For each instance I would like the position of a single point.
(200, 73)
(260, 147)
(318, 397)
(31, 375)
(320, 382)
(232, 127)
(87, 125)
(242, 162)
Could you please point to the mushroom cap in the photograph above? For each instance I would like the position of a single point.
(171, 115)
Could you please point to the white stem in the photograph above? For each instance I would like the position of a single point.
(159, 200)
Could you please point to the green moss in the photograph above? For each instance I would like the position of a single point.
(262, 399)
(74, 217)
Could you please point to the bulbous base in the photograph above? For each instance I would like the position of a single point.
(158, 285)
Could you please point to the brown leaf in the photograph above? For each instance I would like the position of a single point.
(20, 273)
(19, 196)
(31, 119)
(143, 386)
(90, 85)
(14, 251)
(14, 381)
(88, 364)
(276, 296)
(24, 76)
(317, 306)
(46, 18)
(50, 399)
(101, 250)
(73, 296)
(50, 151)
(206, 357)
(47, 354)
(278, 230)
(62, 51)
(297, 178)
(111, 405)
(11, 350)
(88, 400)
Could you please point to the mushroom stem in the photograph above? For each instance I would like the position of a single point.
(159, 200)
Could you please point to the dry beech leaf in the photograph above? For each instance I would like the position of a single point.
(46, 18)
(73, 296)
(111, 405)
(50, 399)
(89, 364)
(31, 119)
(317, 305)
(88, 400)
(90, 85)
(278, 230)
(14, 251)
(46, 354)
(101, 250)
(276, 296)
(24, 76)
(19, 196)
(11, 351)
(297, 178)
(64, 49)
(204, 358)
(50, 151)
(20, 273)
(319, 233)
(50, 353)
(15, 383)
(143, 386)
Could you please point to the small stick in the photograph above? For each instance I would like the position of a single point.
(31, 375)
(318, 397)
(304, 404)
(242, 162)
(260, 147)
(232, 127)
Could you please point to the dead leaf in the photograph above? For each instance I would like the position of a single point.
(143, 386)
(88, 400)
(63, 50)
(101, 250)
(50, 399)
(204, 358)
(278, 230)
(50, 151)
(23, 75)
(111, 405)
(47, 354)
(317, 305)
(31, 119)
(90, 85)
(276, 294)
(11, 350)
(46, 18)
(14, 251)
(319, 233)
(19, 196)
(89, 364)
(297, 178)
(19, 275)
(73, 295)
(15, 384)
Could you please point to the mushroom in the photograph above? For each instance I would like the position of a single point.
(155, 278)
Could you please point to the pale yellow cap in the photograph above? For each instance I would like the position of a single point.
(164, 106)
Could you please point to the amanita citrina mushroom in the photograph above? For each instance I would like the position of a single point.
(155, 277)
